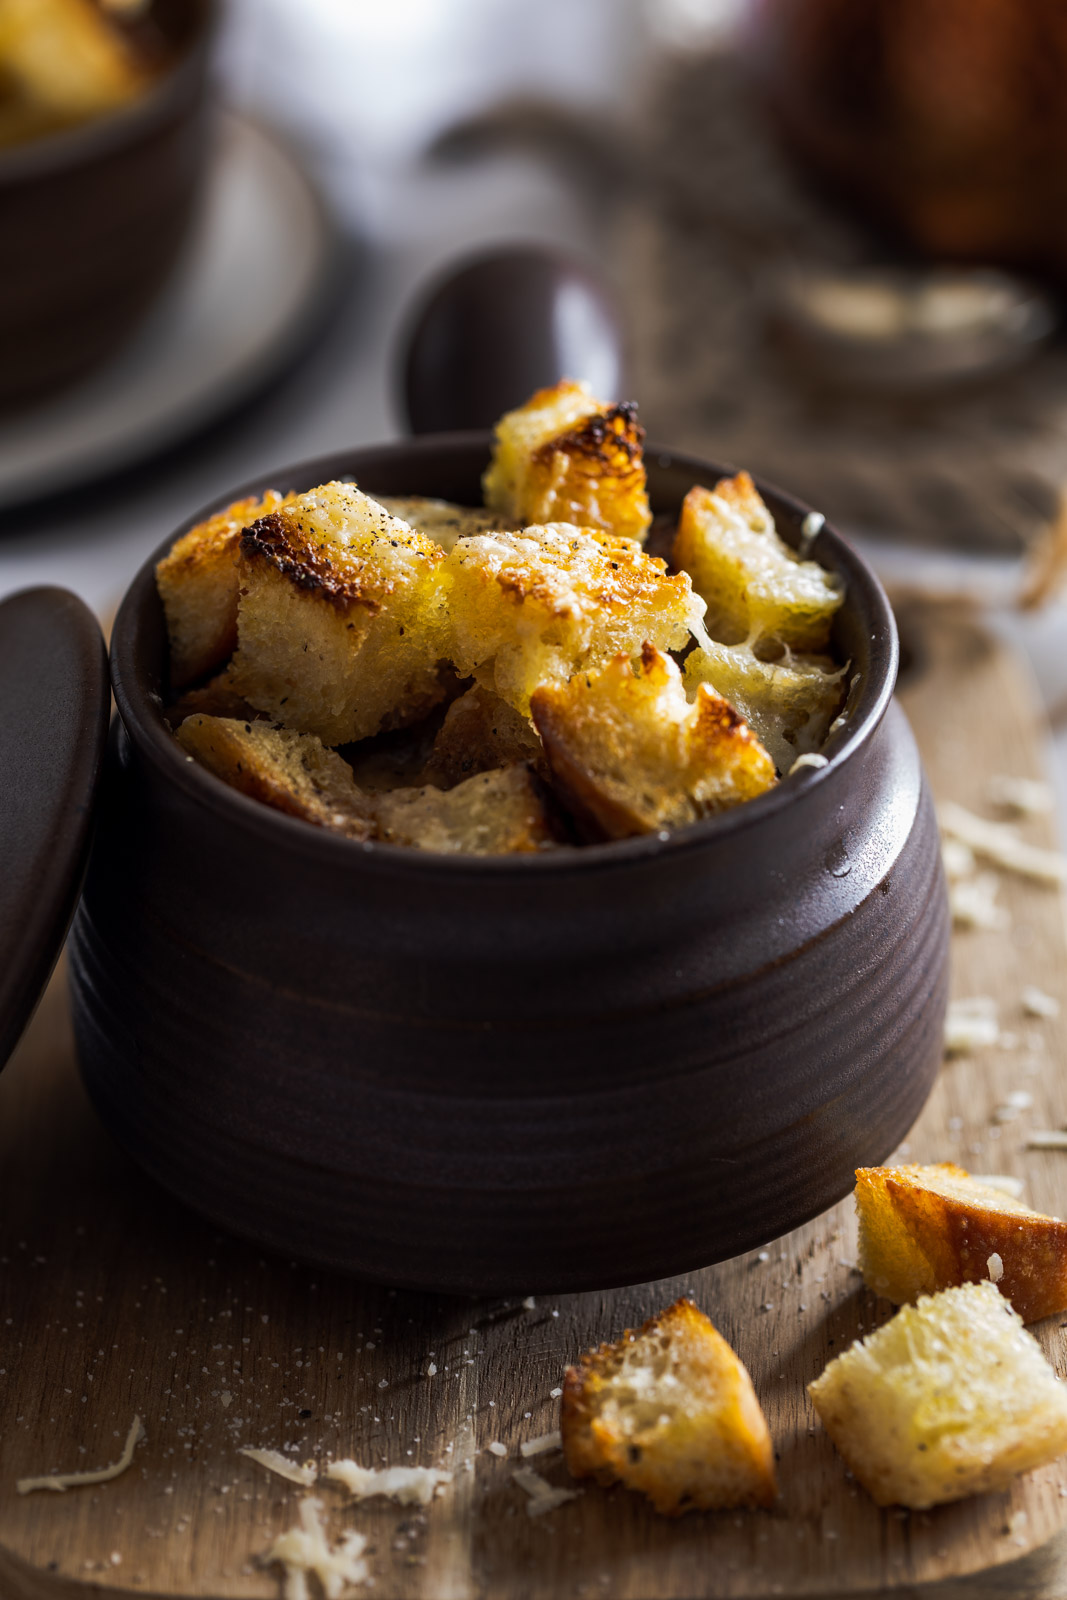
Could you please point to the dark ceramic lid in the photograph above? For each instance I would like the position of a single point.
(54, 705)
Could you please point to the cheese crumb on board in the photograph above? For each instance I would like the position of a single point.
(409, 1486)
(971, 1024)
(1038, 1004)
(973, 903)
(497, 1449)
(74, 1480)
(543, 1497)
(1025, 795)
(999, 843)
(544, 1442)
(1047, 1139)
(274, 1461)
(305, 1549)
(529, 1303)
(995, 1267)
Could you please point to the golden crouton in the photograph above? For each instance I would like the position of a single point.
(481, 732)
(342, 622)
(950, 1398)
(631, 755)
(290, 771)
(755, 586)
(442, 521)
(566, 457)
(670, 1411)
(198, 584)
(926, 1228)
(538, 606)
(493, 813)
(61, 62)
(788, 704)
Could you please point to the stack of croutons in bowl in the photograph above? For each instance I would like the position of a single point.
(513, 678)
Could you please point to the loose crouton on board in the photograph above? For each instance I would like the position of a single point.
(670, 1411)
(493, 813)
(536, 607)
(293, 772)
(342, 624)
(950, 1398)
(198, 584)
(789, 704)
(924, 1228)
(565, 456)
(755, 586)
(631, 755)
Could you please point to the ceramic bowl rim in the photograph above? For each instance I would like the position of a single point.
(70, 148)
(141, 710)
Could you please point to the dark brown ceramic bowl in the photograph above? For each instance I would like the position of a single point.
(516, 1074)
(94, 217)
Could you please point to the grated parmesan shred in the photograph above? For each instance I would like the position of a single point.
(545, 1442)
(1038, 1004)
(973, 903)
(1000, 843)
(1026, 796)
(305, 1549)
(543, 1497)
(409, 1486)
(60, 1481)
(995, 1267)
(274, 1461)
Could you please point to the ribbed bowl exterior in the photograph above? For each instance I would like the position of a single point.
(508, 1076)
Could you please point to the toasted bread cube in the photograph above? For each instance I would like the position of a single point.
(631, 755)
(788, 704)
(950, 1398)
(198, 584)
(567, 457)
(670, 1411)
(491, 814)
(63, 60)
(442, 521)
(292, 772)
(538, 606)
(755, 586)
(342, 623)
(927, 1228)
(481, 733)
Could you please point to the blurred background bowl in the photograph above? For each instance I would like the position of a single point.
(95, 216)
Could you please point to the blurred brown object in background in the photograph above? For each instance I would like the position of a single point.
(944, 120)
(94, 215)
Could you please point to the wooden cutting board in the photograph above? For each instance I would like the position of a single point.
(114, 1302)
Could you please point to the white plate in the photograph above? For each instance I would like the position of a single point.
(241, 302)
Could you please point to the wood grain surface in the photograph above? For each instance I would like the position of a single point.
(114, 1302)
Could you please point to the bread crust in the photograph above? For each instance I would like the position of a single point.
(926, 1228)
